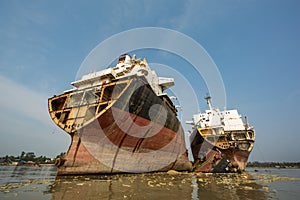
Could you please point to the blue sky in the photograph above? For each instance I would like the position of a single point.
(255, 45)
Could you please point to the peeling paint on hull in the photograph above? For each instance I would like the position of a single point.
(209, 158)
(103, 146)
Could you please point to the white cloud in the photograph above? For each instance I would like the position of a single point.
(23, 100)
(199, 14)
(25, 122)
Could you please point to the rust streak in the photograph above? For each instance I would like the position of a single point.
(115, 157)
(76, 150)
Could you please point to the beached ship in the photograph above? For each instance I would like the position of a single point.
(220, 140)
(120, 120)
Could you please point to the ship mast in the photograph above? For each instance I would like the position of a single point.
(246, 123)
(208, 99)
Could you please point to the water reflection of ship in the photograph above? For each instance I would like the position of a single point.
(121, 186)
(158, 186)
(221, 142)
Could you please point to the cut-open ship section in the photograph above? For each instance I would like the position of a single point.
(73, 110)
(120, 120)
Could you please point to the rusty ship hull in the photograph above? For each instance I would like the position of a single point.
(220, 141)
(213, 153)
(113, 132)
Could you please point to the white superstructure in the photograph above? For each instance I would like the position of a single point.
(126, 67)
(229, 120)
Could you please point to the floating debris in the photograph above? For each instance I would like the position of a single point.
(172, 172)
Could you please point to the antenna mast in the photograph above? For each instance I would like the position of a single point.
(208, 99)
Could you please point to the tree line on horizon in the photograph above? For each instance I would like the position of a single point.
(28, 156)
(274, 164)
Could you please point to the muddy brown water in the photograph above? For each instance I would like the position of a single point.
(21, 182)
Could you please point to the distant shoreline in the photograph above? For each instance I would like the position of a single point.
(277, 165)
(43, 164)
(262, 167)
(248, 167)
